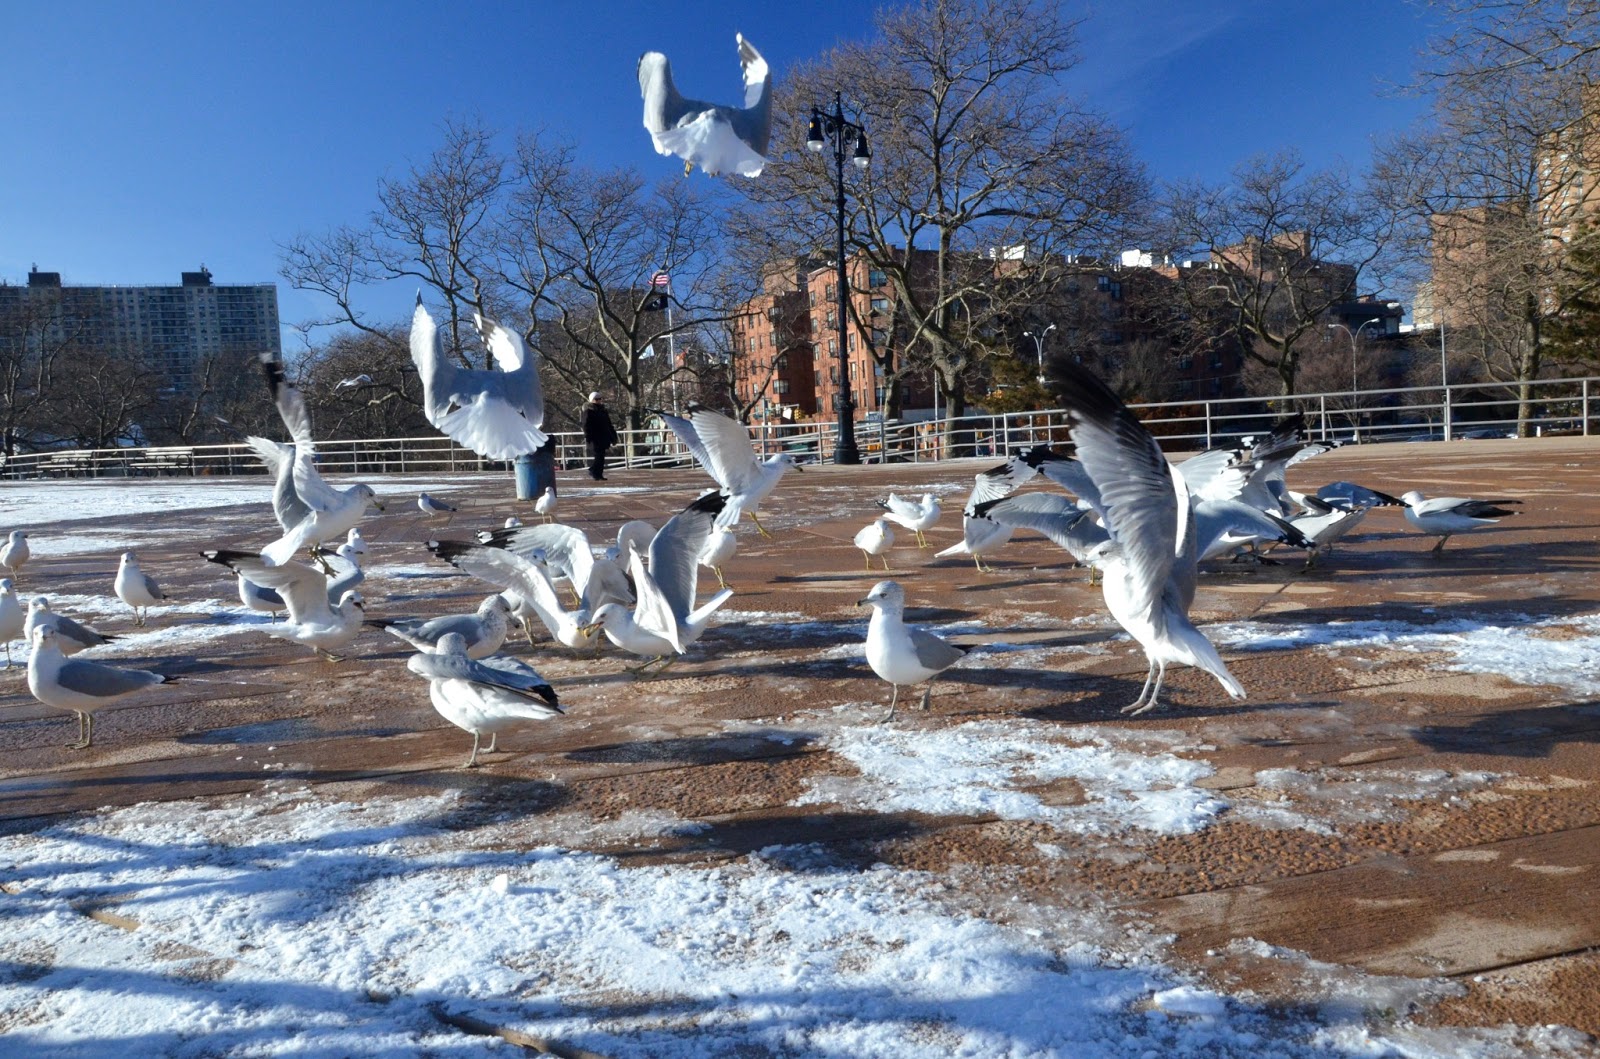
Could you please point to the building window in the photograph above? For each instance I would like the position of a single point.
(833, 319)
(1102, 283)
(1185, 362)
(876, 278)
(851, 343)
(780, 386)
(878, 393)
(782, 361)
(833, 346)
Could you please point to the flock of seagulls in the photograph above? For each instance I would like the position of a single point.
(1140, 523)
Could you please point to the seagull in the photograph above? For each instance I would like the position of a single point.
(495, 413)
(512, 522)
(313, 620)
(875, 538)
(72, 637)
(719, 548)
(640, 532)
(564, 550)
(80, 686)
(356, 542)
(1058, 517)
(310, 511)
(980, 537)
(1445, 516)
(899, 653)
(720, 139)
(484, 629)
(12, 617)
(913, 515)
(432, 506)
(1148, 565)
(665, 621)
(482, 696)
(259, 599)
(340, 583)
(528, 587)
(722, 447)
(545, 506)
(14, 552)
(1357, 495)
(356, 380)
(136, 588)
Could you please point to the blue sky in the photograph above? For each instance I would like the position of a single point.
(144, 139)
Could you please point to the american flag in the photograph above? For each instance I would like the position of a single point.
(661, 281)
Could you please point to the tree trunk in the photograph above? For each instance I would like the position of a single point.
(958, 435)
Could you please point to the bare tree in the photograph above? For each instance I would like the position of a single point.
(984, 173)
(37, 332)
(1492, 186)
(1273, 250)
(584, 247)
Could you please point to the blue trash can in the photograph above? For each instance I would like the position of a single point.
(536, 471)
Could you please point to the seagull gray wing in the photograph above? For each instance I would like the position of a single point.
(506, 570)
(675, 553)
(287, 507)
(497, 413)
(653, 612)
(1136, 482)
(608, 583)
(690, 437)
(519, 369)
(514, 674)
(1070, 475)
(933, 652)
(1054, 515)
(566, 549)
(73, 630)
(151, 587)
(1358, 494)
(105, 682)
(303, 589)
(730, 456)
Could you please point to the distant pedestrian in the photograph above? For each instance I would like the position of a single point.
(599, 432)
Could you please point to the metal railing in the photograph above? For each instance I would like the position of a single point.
(1418, 413)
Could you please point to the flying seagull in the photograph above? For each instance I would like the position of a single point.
(720, 139)
(723, 448)
(314, 621)
(495, 413)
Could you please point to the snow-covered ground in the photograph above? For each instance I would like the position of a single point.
(285, 925)
(291, 923)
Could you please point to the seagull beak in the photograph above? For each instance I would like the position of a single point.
(378, 504)
(589, 629)
(864, 602)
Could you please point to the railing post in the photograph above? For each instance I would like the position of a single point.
(1207, 407)
(1585, 407)
(1447, 415)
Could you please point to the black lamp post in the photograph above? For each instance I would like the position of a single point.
(826, 128)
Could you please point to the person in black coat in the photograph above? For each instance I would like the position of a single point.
(599, 432)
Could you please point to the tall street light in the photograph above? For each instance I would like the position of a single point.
(1354, 386)
(1038, 347)
(831, 128)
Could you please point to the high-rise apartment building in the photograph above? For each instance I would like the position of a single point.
(173, 328)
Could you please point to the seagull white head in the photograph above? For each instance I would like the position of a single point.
(39, 603)
(128, 557)
(887, 595)
(604, 617)
(365, 493)
(44, 636)
(1413, 498)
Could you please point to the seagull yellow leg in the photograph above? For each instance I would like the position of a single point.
(866, 557)
(493, 738)
(893, 700)
(885, 558)
(472, 761)
(720, 582)
(759, 527)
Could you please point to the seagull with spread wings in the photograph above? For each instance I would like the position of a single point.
(1149, 563)
(497, 413)
(722, 446)
(665, 620)
(310, 511)
(313, 620)
(720, 139)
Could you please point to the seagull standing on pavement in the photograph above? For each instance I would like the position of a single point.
(900, 653)
(720, 139)
(136, 588)
(12, 617)
(429, 505)
(1445, 516)
(482, 696)
(1148, 565)
(915, 516)
(72, 637)
(545, 506)
(875, 538)
(14, 552)
(79, 686)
